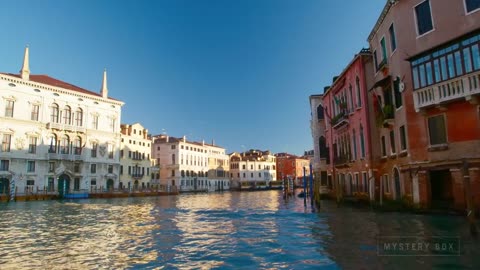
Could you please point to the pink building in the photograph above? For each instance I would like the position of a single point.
(348, 128)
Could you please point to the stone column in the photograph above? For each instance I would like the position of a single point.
(415, 190)
(459, 202)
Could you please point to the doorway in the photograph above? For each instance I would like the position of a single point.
(441, 189)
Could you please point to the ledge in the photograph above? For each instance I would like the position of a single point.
(404, 153)
(438, 147)
(393, 156)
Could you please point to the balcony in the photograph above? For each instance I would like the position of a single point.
(339, 120)
(342, 161)
(71, 128)
(465, 87)
(137, 175)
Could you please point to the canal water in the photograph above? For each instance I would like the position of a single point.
(233, 230)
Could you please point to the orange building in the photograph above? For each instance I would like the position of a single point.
(292, 166)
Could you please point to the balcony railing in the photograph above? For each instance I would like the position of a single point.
(137, 175)
(342, 160)
(339, 120)
(457, 88)
(60, 126)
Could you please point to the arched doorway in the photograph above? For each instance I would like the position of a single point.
(396, 177)
(63, 184)
(4, 186)
(110, 184)
(135, 185)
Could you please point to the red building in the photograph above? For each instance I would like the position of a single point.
(292, 166)
(427, 92)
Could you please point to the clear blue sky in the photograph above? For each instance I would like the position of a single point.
(239, 72)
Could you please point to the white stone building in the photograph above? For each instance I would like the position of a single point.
(135, 162)
(55, 135)
(190, 166)
(252, 169)
(317, 127)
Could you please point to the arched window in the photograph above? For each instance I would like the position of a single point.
(359, 96)
(182, 173)
(54, 113)
(53, 144)
(188, 173)
(362, 142)
(64, 145)
(320, 112)
(78, 146)
(79, 117)
(67, 115)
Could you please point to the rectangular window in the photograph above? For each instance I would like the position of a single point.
(424, 17)
(93, 168)
(173, 147)
(76, 168)
(392, 141)
(428, 69)
(467, 60)
(93, 182)
(416, 82)
(476, 57)
(458, 63)
(451, 66)
(362, 142)
(30, 182)
(472, 5)
(94, 150)
(129, 170)
(173, 172)
(393, 39)
(403, 138)
(443, 64)
(32, 145)
(76, 183)
(436, 70)
(9, 108)
(112, 124)
(51, 167)
(121, 169)
(34, 114)
(4, 165)
(423, 80)
(95, 122)
(110, 168)
(384, 151)
(354, 139)
(375, 62)
(365, 181)
(6, 141)
(110, 150)
(397, 94)
(436, 130)
(359, 98)
(386, 184)
(30, 166)
(384, 50)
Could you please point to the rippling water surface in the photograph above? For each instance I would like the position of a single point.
(249, 230)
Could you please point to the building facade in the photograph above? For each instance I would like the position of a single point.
(56, 136)
(348, 128)
(292, 166)
(317, 128)
(426, 61)
(190, 166)
(252, 169)
(135, 162)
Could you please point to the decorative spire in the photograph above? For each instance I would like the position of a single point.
(104, 91)
(25, 71)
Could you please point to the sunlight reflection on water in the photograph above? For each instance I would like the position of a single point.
(249, 230)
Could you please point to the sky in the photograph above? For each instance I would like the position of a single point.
(236, 72)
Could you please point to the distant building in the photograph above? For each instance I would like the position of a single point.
(291, 166)
(56, 136)
(252, 169)
(190, 166)
(135, 163)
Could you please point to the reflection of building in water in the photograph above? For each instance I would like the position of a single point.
(252, 169)
(135, 162)
(56, 135)
(194, 166)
